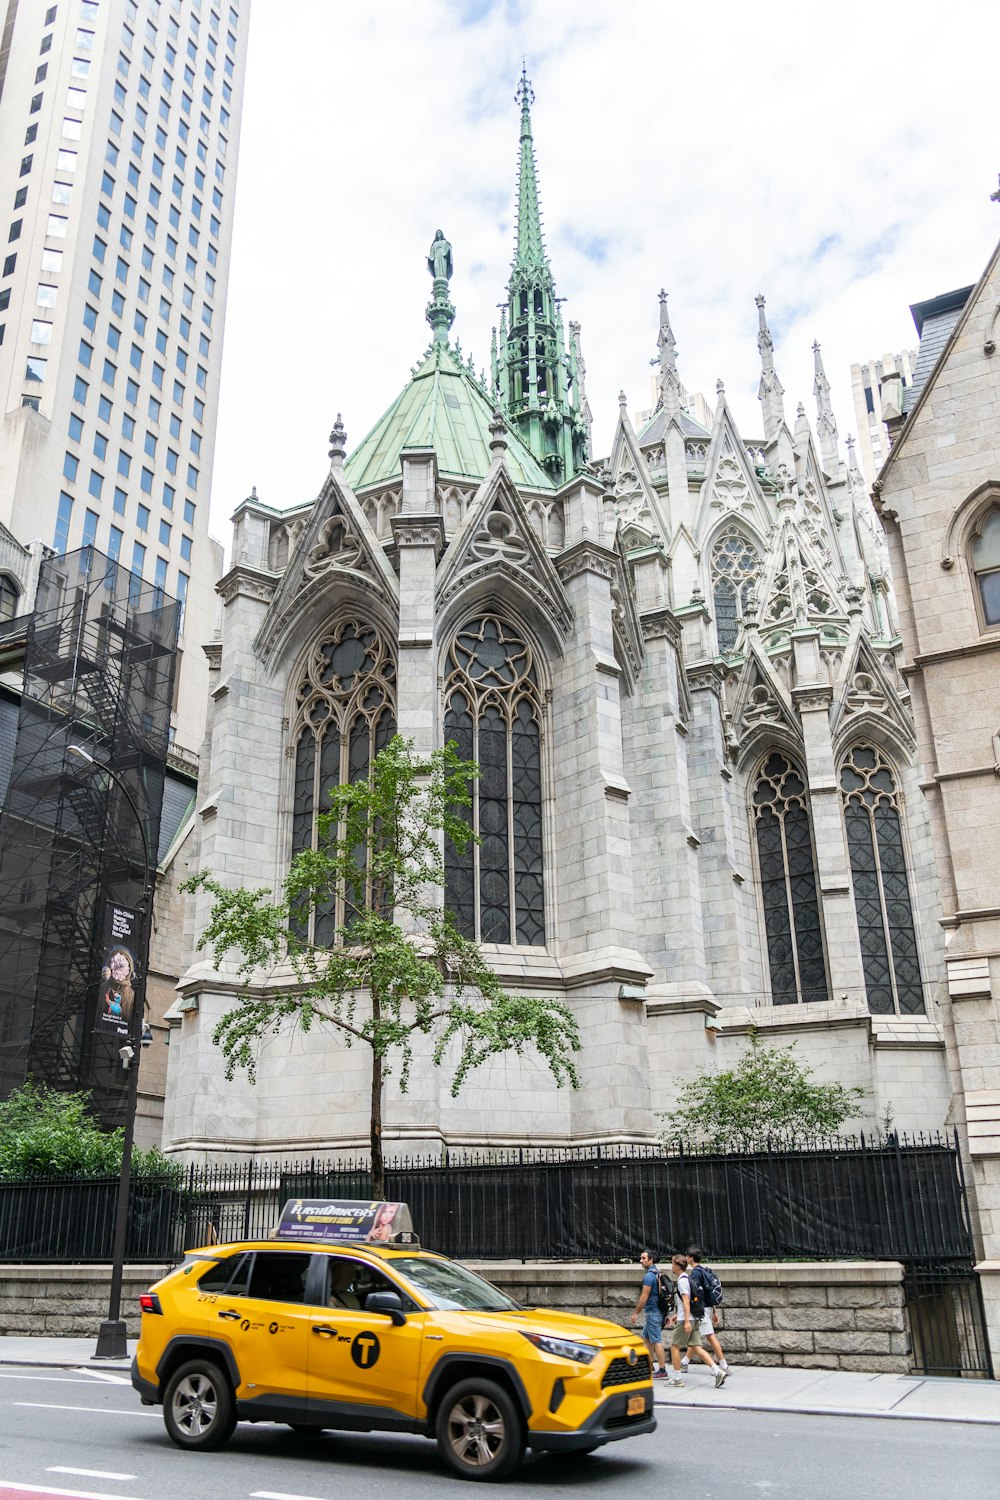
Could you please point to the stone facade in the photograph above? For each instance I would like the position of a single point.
(707, 635)
(937, 493)
(833, 1316)
(810, 1315)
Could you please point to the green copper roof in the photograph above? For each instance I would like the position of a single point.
(529, 251)
(443, 407)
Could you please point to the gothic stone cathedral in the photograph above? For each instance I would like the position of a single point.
(677, 667)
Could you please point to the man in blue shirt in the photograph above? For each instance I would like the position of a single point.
(648, 1308)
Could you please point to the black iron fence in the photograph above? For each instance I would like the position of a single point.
(850, 1198)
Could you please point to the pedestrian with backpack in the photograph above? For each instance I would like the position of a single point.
(711, 1292)
(686, 1324)
(650, 1308)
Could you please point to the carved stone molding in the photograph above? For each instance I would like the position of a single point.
(213, 651)
(660, 625)
(554, 608)
(708, 675)
(586, 557)
(419, 531)
(243, 582)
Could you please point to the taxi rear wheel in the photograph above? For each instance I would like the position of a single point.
(198, 1407)
(479, 1430)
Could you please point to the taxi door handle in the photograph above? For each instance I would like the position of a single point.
(324, 1330)
(229, 1314)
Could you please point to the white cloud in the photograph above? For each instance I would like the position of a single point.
(839, 159)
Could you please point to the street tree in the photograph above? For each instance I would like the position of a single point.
(397, 967)
(768, 1094)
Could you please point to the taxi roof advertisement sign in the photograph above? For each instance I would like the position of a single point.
(344, 1220)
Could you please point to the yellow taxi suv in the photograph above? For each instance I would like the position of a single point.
(342, 1321)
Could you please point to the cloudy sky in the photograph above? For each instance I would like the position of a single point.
(839, 158)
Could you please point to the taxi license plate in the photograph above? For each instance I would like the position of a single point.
(636, 1404)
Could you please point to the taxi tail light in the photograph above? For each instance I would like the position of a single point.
(149, 1302)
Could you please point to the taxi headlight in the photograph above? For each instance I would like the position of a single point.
(561, 1348)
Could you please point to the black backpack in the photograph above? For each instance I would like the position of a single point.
(664, 1293)
(709, 1285)
(697, 1296)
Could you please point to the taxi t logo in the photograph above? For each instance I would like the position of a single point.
(365, 1350)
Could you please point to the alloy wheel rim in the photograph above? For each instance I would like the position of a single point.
(195, 1405)
(476, 1430)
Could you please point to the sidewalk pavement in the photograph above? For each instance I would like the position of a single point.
(749, 1387)
(840, 1393)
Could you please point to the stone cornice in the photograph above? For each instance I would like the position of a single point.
(660, 625)
(213, 650)
(246, 582)
(419, 531)
(585, 557)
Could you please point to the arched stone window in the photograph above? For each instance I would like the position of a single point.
(985, 551)
(345, 714)
(493, 713)
(10, 597)
(881, 890)
(735, 570)
(788, 884)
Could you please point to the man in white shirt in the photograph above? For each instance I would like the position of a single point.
(686, 1337)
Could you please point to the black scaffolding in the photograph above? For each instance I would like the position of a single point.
(100, 656)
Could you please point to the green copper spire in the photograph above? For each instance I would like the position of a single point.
(535, 379)
(529, 252)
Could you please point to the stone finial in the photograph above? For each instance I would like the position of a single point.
(995, 197)
(720, 389)
(338, 442)
(855, 599)
(498, 432)
(622, 400)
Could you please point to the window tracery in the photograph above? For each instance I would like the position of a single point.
(788, 884)
(345, 714)
(493, 713)
(986, 565)
(881, 888)
(735, 569)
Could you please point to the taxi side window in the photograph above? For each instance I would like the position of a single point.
(349, 1283)
(279, 1276)
(229, 1275)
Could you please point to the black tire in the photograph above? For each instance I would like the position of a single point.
(479, 1430)
(199, 1410)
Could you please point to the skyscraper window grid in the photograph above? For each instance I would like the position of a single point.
(106, 141)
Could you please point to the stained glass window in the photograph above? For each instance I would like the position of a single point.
(986, 565)
(345, 714)
(735, 570)
(881, 889)
(493, 713)
(788, 884)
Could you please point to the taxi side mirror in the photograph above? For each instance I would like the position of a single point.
(387, 1302)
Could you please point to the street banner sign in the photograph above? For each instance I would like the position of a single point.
(119, 971)
(345, 1220)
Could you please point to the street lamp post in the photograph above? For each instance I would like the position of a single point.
(111, 1339)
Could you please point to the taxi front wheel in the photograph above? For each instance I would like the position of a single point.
(479, 1429)
(198, 1407)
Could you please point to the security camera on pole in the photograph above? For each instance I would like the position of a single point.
(123, 1001)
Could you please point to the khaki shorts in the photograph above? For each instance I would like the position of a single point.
(681, 1340)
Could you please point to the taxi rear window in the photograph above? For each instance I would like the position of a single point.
(230, 1275)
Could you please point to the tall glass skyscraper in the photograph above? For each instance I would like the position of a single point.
(119, 139)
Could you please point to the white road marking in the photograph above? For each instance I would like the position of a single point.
(52, 1379)
(41, 1489)
(101, 1411)
(89, 1473)
(104, 1375)
(278, 1495)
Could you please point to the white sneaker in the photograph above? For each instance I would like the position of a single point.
(725, 1366)
(684, 1363)
(676, 1382)
(720, 1376)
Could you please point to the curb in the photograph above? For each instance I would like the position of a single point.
(826, 1411)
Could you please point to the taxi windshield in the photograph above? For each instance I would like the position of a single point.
(451, 1288)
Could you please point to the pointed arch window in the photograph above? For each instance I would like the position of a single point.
(345, 714)
(735, 569)
(493, 713)
(788, 884)
(881, 888)
(986, 565)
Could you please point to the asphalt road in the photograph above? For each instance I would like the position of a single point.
(70, 1433)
